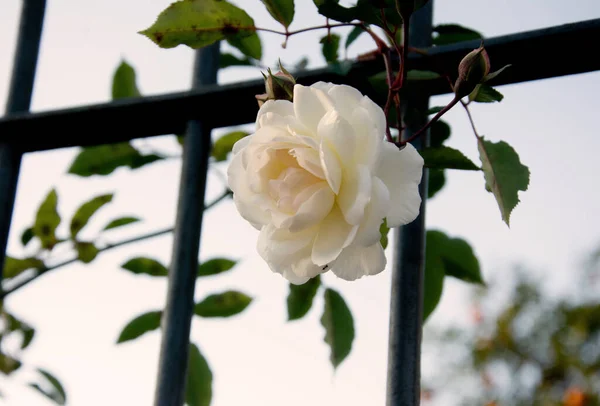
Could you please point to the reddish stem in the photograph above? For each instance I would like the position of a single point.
(433, 120)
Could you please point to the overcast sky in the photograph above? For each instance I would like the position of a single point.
(257, 357)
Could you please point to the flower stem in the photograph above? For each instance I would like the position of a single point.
(433, 120)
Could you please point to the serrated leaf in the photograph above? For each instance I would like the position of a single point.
(330, 45)
(504, 174)
(198, 387)
(421, 75)
(300, 298)
(120, 222)
(27, 236)
(249, 45)
(146, 266)
(225, 143)
(124, 84)
(339, 327)
(281, 10)
(47, 220)
(140, 325)
(436, 181)
(104, 159)
(215, 266)
(353, 36)
(451, 33)
(226, 60)
(51, 388)
(438, 133)
(447, 158)
(199, 23)
(384, 231)
(86, 251)
(86, 211)
(485, 94)
(224, 304)
(15, 266)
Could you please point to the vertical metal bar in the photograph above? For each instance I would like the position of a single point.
(406, 312)
(178, 312)
(19, 100)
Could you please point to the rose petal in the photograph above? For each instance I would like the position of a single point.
(401, 171)
(304, 268)
(345, 98)
(310, 105)
(357, 261)
(368, 137)
(313, 209)
(273, 111)
(339, 134)
(368, 232)
(376, 113)
(280, 248)
(293, 278)
(334, 235)
(355, 193)
(243, 197)
(309, 159)
(331, 167)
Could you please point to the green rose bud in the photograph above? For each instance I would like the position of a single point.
(472, 71)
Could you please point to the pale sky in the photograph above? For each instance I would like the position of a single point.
(257, 357)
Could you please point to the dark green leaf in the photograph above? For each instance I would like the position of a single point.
(433, 282)
(86, 211)
(15, 266)
(226, 60)
(341, 67)
(51, 388)
(330, 46)
(460, 261)
(225, 143)
(27, 236)
(224, 304)
(384, 231)
(86, 251)
(198, 23)
(300, 298)
(364, 10)
(12, 324)
(447, 158)
(331, 9)
(142, 324)
(281, 10)
(120, 222)
(249, 45)
(504, 173)
(353, 35)
(438, 133)
(104, 159)
(485, 94)
(28, 334)
(437, 180)
(198, 387)
(123, 84)
(46, 221)
(339, 327)
(215, 266)
(8, 364)
(421, 75)
(147, 266)
(451, 33)
(434, 110)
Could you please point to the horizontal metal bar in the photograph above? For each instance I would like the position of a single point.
(533, 55)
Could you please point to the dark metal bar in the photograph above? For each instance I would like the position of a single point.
(532, 54)
(19, 100)
(178, 312)
(406, 303)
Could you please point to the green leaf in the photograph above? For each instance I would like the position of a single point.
(339, 326)
(492, 75)
(104, 159)
(28, 334)
(226, 60)
(86, 251)
(421, 75)
(123, 84)
(224, 304)
(215, 266)
(120, 222)
(12, 324)
(300, 298)
(86, 211)
(504, 174)
(437, 180)
(199, 23)
(27, 236)
(281, 10)
(47, 220)
(451, 33)
(330, 46)
(384, 231)
(460, 261)
(147, 266)
(249, 45)
(15, 266)
(198, 386)
(8, 364)
(51, 388)
(433, 280)
(331, 9)
(225, 143)
(140, 325)
(485, 94)
(435, 110)
(353, 36)
(438, 133)
(364, 10)
(447, 158)
(341, 67)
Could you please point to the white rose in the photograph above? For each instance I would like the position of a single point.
(317, 179)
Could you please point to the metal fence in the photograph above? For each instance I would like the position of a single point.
(533, 55)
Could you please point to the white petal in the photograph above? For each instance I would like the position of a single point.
(309, 159)
(334, 235)
(368, 232)
(401, 171)
(241, 144)
(243, 197)
(331, 166)
(295, 279)
(306, 269)
(311, 212)
(357, 261)
(346, 98)
(277, 108)
(339, 134)
(355, 193)
(376, 113)
(323, 86)
(368, 137)
(310, 105)
(280, 248)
